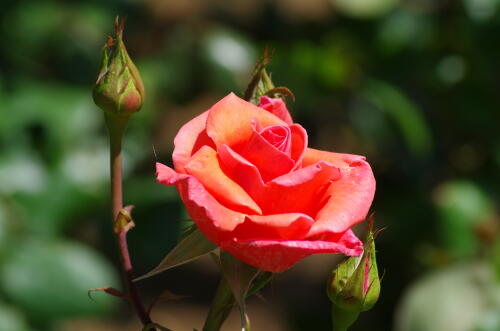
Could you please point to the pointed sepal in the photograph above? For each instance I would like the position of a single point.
(261, 83)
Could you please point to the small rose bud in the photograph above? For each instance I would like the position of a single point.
(119, 89)
(354, 286)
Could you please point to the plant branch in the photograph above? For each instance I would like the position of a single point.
(220, 308)
(116, 126)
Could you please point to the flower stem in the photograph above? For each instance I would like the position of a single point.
(220, 308)
(343, 319)
(116, 126)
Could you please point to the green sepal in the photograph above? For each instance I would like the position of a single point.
(261, 83)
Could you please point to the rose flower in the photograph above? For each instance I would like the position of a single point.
(254, 188)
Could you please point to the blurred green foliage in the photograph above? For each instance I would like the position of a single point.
(410, 84)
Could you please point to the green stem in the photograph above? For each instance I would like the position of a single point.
(116, 126)
(342, 319)
(245, 321)
(220, 308)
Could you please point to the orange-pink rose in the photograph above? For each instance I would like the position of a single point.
(254, 188)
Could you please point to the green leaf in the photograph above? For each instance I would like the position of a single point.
(193, 246)
(50, 279)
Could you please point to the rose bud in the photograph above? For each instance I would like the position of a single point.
(354, 285)
(119, 89)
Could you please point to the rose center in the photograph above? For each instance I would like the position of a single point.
(279, 137)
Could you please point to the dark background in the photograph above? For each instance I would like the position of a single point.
(413, 85)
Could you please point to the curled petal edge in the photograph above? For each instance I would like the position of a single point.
(350, 197)
(214, 220)
(277, 256)
(191, 137)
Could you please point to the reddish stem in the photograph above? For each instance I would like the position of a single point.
(116, 127)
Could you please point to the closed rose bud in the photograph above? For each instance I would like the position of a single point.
(354, 285)
(119, 89)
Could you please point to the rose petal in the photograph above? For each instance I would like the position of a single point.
(299, 144)
(214, 220)
(279, 226)
(299, 191)
(270, 161)
(276, 106)
(240, 170)
(279, 137)
(190, 138)
(204, 165)
(295, 192)
(350, 197)
(340, 160)
(277, 256)
(229, 121)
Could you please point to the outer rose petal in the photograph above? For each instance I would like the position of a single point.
(229, 120)
(190, 138)
(350, 197)
(204, 166)
(276, 227)
(276, 106)
(213, 219)
(299, 144)
(277, 256)
(299, 191)
(340, 160)
(240, 170)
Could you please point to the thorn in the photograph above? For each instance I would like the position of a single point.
(108, 289)
(154, 152)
